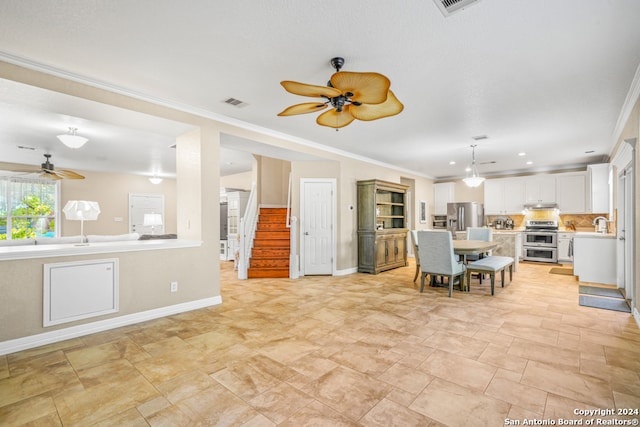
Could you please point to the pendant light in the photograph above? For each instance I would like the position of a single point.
(72, 140)
(473, 179)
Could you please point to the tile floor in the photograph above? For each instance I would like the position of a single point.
(357, 350)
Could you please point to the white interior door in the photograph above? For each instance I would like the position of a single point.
(317, 217)
(620, 229)
(625, 232)
(140, 204)
(629, 203)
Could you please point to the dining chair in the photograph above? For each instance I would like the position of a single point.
(478, 233)
(437, 257)
(416, 252)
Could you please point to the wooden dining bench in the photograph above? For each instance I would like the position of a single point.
(490, 265)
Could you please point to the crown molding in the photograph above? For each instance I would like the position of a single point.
(196, 111)
(627, 107)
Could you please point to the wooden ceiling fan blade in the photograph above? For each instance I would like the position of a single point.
(335, 119)
(48, 174)
(367, 88)
(307, 107)
(304, 89)
(367, 112)
(67, 174)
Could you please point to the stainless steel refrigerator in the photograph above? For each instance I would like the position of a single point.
(463, 215)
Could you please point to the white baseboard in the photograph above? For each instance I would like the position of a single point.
(636, 316)
(19, 344)
(346, 272)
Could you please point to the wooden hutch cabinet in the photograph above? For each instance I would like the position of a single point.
(382, 226)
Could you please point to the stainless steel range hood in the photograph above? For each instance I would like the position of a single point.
(540, 206)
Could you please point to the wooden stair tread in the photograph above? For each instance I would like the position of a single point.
(268, 273)
(271, 245)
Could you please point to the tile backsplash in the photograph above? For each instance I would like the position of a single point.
(582, 222)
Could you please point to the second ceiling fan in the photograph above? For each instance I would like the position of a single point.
(352, 95)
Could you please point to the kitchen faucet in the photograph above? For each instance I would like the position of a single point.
(600, 223)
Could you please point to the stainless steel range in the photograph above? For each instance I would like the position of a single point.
(540, 241)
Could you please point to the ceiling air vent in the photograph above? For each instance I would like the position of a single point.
(448, 7)
(235, 102)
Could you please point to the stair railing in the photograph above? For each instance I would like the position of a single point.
(289, 201)
(247, 232)
(292, 224)
(293, 253)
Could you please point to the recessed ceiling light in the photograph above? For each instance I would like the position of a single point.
(467, 169)
(522, 153)
(529, 162)
(452, 162)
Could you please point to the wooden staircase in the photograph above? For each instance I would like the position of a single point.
(271, 245)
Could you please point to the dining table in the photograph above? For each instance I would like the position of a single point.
(472, 247)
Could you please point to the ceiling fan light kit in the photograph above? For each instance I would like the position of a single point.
(71, 139)
(352, 95)
(473, 178)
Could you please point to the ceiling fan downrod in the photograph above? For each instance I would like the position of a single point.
(337, 63)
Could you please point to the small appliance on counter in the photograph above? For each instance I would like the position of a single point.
(502, 223)
(439, 222)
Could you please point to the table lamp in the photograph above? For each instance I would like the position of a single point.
(81, 210)
(152, 219)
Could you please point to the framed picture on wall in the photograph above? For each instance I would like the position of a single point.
(423, 212)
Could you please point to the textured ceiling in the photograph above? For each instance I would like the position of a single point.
(543, 77)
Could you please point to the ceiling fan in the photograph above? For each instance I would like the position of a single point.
(47, 170)
(362, 96)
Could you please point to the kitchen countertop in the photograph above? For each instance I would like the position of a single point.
(593, 234)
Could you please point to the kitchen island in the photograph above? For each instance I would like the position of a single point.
(509, 244)
(594, 257)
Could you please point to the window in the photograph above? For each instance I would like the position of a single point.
(28, 208)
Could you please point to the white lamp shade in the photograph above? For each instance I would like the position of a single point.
(81, 210)
(473, 181)
(152, 219)
(72, 141)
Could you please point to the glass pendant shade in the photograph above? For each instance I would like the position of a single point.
(155, 180)
(72, 140)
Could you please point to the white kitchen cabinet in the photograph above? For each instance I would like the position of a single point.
(443, 193)
(594, 257)
(540, 189)
(565, 247)
(503, 196)
(571, 192)
(599, 188)
(493, 197)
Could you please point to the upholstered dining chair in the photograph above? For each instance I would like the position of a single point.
(437, 257)
(416, 251)
(478, 233)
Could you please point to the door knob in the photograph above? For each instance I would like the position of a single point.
(306, 233)
(621, 238)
